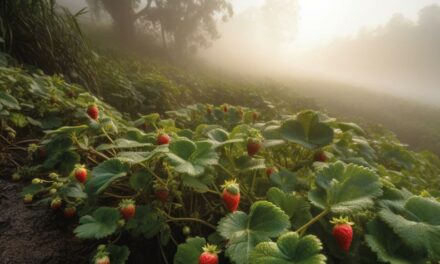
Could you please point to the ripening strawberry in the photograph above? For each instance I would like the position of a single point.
(163, 139)
(81, 174)
(209, 255)
(225, 108)
(28, 198)
(102, 260)
(127, 208)
(231, 195)
(254, 117)
(208, 110)
(253, 146)
(69, 212)
(343, 233)
(270, 171)
(240, 112)
(55, 204)
(93, 111)
(320, 156)
(162, 194)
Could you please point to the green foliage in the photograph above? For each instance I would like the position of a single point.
(244, 231)
(345, 189)
(102, 223)
(189, 252)
(289, 249)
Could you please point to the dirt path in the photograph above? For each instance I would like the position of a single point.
(32, 234)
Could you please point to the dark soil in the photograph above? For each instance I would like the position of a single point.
(32, 234)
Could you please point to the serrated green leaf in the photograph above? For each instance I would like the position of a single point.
(122, 143)
(146, 222)
(388, 246)
(307, 130)
(289, 249)
(416, 222)
(118, 254)
(9, 101)
(345, 188)
(246, 163)
(244, 232)
(104, 174)
(296, 207)
(189, 252)
(104, 222)
(140, 180)
(192, 158)
(287, 181)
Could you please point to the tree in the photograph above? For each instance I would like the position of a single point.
(184, 24)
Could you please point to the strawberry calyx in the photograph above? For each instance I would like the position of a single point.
(211, 249)
(231, 187)
(341, 221)
(126, 203)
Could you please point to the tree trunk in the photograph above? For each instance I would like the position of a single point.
(123, 16)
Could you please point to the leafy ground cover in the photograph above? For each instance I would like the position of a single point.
(261, 184)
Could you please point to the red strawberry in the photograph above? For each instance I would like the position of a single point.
(320, 156)
(225, 108)
(93, 111)
(69, 212)
(343, 233)
(127, 208)
(270, 171)
(254, 116)
(55, 204)
(231, 195)
(81, 174)
(162, 194)
(253, 146)
(163, 139)
(102, 260)
(209, 255)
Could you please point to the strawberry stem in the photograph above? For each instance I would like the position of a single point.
(303, 228)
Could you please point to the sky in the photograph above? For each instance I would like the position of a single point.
(321, 21)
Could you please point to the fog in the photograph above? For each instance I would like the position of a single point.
(401, 57)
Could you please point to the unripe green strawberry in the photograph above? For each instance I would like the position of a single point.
(16, 176)
(81, 174)
(93, 111)
(127, 208)
(253, 146)
(53, 175)
(343, 233)
(186, 230)
(36, 181)
(53, 191)
(231, 195)
(209, 255)
(69, 212)
(55, 204)
(163, 139)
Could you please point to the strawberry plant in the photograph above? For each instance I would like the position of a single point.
(220, 186)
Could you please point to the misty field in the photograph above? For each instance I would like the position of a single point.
(222, 131)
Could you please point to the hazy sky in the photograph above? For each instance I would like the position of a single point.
(323, 20)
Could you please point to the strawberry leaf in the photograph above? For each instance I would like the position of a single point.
(307, 130)
(118, 254)
(289, 249)
(191, 158)
(416, 222)
(345, 188)
(388, 246)
(146, 222)
(189, 252)
(295, 206)
(244, 232)
(104, 174)
(102, 223)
